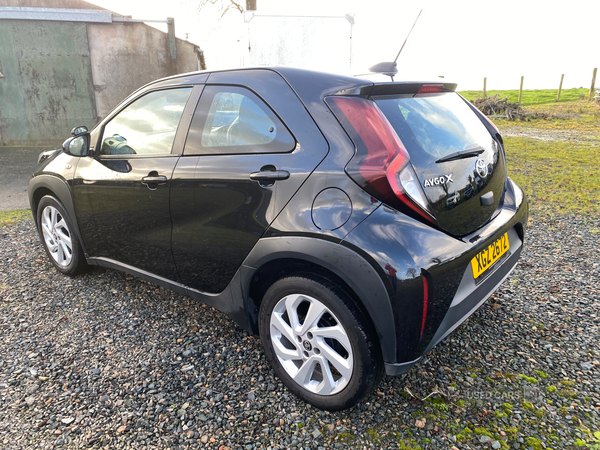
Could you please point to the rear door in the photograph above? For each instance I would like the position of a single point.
(250, 146)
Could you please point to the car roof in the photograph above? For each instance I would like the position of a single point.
(325, 83)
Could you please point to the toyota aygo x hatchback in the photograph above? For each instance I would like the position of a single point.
(352, 224)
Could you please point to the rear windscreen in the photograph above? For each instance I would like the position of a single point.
(436, 124)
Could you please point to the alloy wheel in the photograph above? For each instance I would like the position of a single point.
(311, 344)
(57, 236)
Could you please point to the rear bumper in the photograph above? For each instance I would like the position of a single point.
(468, 299)
(412, 252)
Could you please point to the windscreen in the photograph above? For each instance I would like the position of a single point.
(438, 124)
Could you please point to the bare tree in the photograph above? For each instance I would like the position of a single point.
(223, 5)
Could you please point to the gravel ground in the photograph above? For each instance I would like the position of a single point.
(105, 360)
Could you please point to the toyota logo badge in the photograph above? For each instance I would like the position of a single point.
(482, 168)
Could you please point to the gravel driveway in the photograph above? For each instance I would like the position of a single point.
(107, 360)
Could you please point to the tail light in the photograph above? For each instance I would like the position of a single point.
(381, 164)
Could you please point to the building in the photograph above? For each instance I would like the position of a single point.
(65, 63)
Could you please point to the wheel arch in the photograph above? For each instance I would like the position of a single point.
(42, 185)
(275, 258)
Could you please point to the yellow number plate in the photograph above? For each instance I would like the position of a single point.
(488, 256)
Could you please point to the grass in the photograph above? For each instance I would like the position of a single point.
(590, 128)
(12, 217)
(532, 97)
(558, 177)
(586, 109)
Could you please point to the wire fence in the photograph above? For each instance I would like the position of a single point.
(558, 92)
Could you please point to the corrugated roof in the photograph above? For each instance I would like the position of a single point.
(63, 4)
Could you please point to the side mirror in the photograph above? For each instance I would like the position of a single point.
(78, 131)
(78, 145)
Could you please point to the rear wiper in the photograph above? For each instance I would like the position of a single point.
(466, 153)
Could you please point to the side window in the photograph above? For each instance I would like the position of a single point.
(147, 126)
(233, 120)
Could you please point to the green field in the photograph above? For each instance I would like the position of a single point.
(558, 177)
(532, 97)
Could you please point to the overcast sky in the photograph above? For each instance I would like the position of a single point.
(462, 40)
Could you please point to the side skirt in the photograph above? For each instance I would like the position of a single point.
(230, 301)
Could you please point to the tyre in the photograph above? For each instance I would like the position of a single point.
(319, 343)
(59, 237)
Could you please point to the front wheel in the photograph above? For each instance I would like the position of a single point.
(319, 343)
(59, 238)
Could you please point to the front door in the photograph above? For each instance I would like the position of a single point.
(122, 195)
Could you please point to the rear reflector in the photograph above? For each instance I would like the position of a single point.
(381, 164)
(425, 302)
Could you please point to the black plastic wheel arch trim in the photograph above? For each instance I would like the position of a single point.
(395, 369)
(344, 263)
(61, 190)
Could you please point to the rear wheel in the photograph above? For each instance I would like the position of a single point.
(319, 343)
(59, 238)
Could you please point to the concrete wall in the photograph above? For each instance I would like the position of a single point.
(47, 86)
(126, 56)
(58, 75)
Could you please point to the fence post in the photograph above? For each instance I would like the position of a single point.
(593, 82)
(521, 89)
(484, 87)
(560, 87)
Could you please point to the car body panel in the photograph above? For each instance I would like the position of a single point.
(350, 266)
(302, 210)
(123, 218)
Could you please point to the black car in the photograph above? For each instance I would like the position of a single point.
(352, 224)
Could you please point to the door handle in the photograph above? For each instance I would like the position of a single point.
(153, 180)
(270, 175)
(158, 180)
